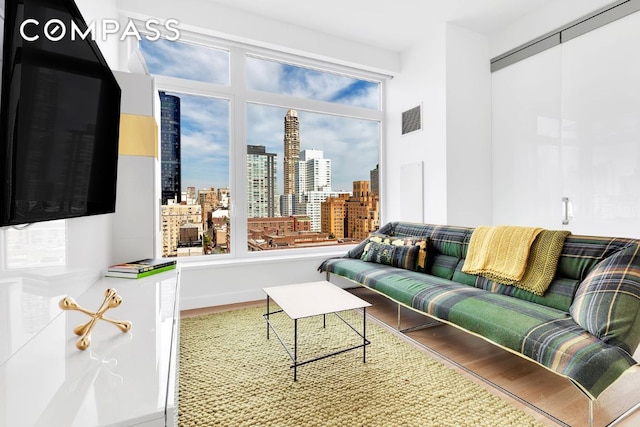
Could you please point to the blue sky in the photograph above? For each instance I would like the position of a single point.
(351, 144)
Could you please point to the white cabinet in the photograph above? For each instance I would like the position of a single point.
(601, 128)
(566, 123)
(526, 142)
(122, 379)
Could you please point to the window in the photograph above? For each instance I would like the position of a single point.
(321, 157)
(271, 152)
(194, 165)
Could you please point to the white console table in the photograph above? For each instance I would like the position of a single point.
(122, 379)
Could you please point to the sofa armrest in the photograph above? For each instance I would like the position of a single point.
(607, 302)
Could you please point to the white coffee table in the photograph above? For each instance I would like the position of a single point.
(312, 299)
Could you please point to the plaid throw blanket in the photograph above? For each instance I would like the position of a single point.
(500, 253)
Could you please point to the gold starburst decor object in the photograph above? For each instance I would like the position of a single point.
(111, 300)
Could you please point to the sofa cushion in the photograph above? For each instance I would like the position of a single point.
(442, 265)
(580, 254)
(444, 239)
(559, 294)
(607, 302)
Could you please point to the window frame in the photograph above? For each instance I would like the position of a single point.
(239, 96)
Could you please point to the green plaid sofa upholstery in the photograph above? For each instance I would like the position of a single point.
(585, 327)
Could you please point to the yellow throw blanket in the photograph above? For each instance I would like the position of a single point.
(543, 261)
(500, 253)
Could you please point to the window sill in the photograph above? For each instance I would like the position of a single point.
(262, 258)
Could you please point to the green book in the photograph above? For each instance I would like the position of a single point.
(138, 275)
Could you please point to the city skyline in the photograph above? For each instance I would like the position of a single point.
(351, 144)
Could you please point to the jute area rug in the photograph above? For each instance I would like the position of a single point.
(231, 375)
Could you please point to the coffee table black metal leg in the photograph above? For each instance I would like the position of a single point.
(295, 350)
(268, 316)
(364, 334)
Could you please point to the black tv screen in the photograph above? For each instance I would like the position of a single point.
(59, 117)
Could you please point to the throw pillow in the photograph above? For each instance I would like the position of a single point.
(379, 253)
(396, 255)
(421, 264)
(375, 237)
(359, 249)
(612, 291)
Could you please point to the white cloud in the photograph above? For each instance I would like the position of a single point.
(202, 63)
(275, 77)
(199, 144)
(263, 75)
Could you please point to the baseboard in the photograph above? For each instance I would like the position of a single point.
(225, 298)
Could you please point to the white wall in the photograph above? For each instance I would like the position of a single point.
(469, 201)
(89, 244)
(231, 282)
(422, 80)
(448, 73)
(136, 229)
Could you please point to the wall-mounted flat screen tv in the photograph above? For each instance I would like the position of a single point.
(59, 116)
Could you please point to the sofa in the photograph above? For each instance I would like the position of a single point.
(585, 326)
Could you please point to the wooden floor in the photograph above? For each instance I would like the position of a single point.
(547, 397)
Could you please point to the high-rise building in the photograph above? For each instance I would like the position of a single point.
(314, 172)
(208, 200)
(311, 206)
(170, 147)
(290, 160)
(174, 216)
(313, 186)
(191, 193)
(374, 179)
(362, 211)
(333, 216)
(262, 182)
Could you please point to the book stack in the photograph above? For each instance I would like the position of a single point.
(141, 268)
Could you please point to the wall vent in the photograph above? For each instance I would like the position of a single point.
(412, 120)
